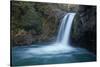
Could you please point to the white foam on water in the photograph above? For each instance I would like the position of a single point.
(62, 43)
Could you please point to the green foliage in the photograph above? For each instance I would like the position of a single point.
(24, 16)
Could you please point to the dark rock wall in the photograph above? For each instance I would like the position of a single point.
(84, 30)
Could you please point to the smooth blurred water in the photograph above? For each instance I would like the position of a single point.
(65, 28)
(29, 56)
(58, 52)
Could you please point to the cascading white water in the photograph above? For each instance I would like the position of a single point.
(64, 31)
(62, 43)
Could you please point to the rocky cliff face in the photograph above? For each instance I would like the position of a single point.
(84, 28)
(36, 22)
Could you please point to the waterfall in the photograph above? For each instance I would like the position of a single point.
(65, 28)
(58, 52)
(61, 45)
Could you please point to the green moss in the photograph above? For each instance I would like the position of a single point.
(75, 26)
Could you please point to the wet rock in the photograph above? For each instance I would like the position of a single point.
(84, 30)
(23, 38)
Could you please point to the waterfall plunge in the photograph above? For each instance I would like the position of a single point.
(62, 43)
(64, 31)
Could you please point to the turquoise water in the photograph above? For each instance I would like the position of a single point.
(58, 52)
(21, 56)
